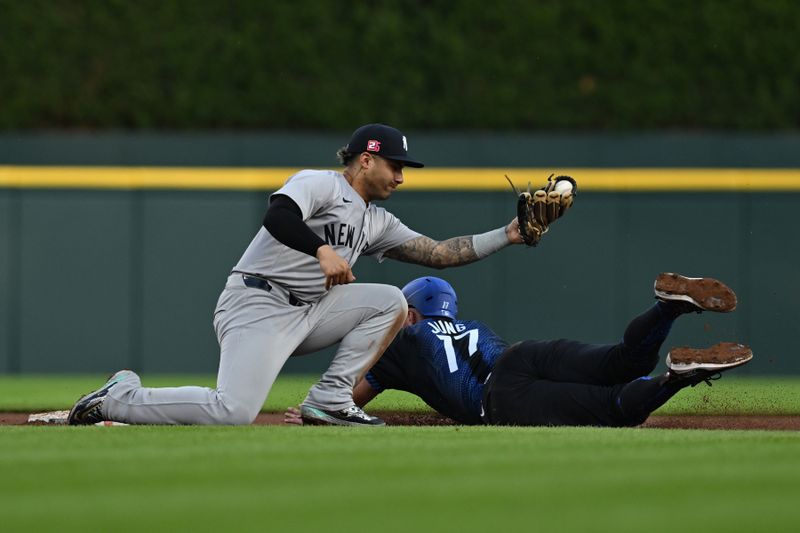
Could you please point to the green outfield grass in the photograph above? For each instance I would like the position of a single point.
(482, 479)
(730, 395)
(287, 478)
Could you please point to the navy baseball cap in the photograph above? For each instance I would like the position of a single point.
(382, 140)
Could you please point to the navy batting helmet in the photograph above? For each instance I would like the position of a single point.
(432, 297)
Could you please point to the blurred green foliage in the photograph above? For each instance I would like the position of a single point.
(433, 64)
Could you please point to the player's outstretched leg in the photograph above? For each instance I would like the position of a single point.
(705, 294)
(687, 367)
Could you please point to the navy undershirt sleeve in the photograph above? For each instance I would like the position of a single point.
(284, 221)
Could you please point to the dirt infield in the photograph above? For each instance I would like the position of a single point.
(774, 423)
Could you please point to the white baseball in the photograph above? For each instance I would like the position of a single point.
(563, 186)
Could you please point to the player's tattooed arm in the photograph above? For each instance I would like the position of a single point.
(423, 250)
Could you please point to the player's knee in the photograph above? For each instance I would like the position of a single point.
(633, 421)
(241, 417)
(396, 301)
(628, 419)
(403, 307)
(238, 414)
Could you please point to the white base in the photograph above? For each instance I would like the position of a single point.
(59, 418)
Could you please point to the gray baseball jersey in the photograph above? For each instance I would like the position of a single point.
(339, 216)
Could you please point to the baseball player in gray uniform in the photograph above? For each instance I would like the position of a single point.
(292, 293)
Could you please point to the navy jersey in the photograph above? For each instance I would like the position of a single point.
(444, 363)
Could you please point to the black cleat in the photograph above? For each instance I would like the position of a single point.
(87, 410)
(352, 416)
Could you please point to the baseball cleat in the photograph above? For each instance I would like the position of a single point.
(352, 416)
(690, 366)
(707, 294)
(87, 410)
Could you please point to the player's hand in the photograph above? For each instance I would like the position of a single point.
(512, 232)
(336, 269)
(292, 416)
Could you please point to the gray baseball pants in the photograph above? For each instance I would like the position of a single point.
(258, 331)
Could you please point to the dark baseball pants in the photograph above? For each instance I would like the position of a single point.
(569, 383)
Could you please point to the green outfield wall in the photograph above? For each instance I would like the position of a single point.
(120, 266)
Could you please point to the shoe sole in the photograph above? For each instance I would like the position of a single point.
(722, 356)
(316, 417)
(706, 293)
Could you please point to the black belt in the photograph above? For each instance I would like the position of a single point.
(257, 282)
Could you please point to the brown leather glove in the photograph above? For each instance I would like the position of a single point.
(535, 212)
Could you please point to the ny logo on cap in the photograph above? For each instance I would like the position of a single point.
(405, 144)
(374, 146)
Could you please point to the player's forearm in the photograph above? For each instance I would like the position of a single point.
(363, 393)
(451, 252)
(437, 254)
